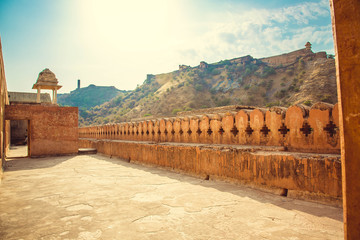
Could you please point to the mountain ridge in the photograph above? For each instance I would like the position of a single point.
(300, 76)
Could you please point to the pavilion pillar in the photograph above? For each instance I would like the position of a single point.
(38, 95)
(55, 96)
(346, 30)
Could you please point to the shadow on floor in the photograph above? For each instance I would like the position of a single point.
(18, 164)
(315, 209)
(241, 190)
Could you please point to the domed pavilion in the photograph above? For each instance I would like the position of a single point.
(47, 80)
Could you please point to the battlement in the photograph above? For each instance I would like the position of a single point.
(297, 128)
(291, 152)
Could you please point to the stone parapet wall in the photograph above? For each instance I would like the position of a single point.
(297, 128)
(299, 175)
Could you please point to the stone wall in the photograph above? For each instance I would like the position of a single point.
(298, 175)
(294, 150)
(25, 97)
(298, 128)
(53, 130)
(4, 125)
(288, 58)
(242, 60)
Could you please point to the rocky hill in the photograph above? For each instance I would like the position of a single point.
(89, 97)
(297, 77)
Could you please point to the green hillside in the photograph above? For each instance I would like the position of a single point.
(89, 97)
(249, 82)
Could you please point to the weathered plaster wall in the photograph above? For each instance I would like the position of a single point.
(26, 97)
(346, 29)
(297, 128)
(4, 125)
(314, 176)
(53, 130)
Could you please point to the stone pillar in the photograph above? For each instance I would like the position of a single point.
(346, 29)
(55, 97)
(38, 95)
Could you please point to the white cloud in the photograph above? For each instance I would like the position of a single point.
(263, 32)
(112, 42)
(302, 13)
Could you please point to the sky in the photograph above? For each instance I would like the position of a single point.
(117, 42)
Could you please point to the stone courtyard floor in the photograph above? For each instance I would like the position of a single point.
(95, 197)
(18, 151)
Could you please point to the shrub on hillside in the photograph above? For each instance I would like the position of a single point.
(198, 87)
(307, 103)
(267, 71)
(215, 72)
(280, 94)
(272, 104)
(176, 110)
(223, 102)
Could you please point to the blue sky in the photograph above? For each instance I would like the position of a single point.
(116, 43)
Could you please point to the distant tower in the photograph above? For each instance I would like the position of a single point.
(308, 46)
(78, 83)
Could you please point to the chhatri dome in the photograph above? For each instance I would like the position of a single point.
(47, 80)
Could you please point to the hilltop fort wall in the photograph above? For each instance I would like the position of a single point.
(295, 149)
(284, 60)
(290, 58)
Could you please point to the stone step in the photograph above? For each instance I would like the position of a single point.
(87, 151)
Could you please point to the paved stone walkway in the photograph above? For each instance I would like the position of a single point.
(18, 151)
(95, 197)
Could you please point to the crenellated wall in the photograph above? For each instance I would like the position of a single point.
(298, 128)
(287, 58)
(294, 150)
(290, 58)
